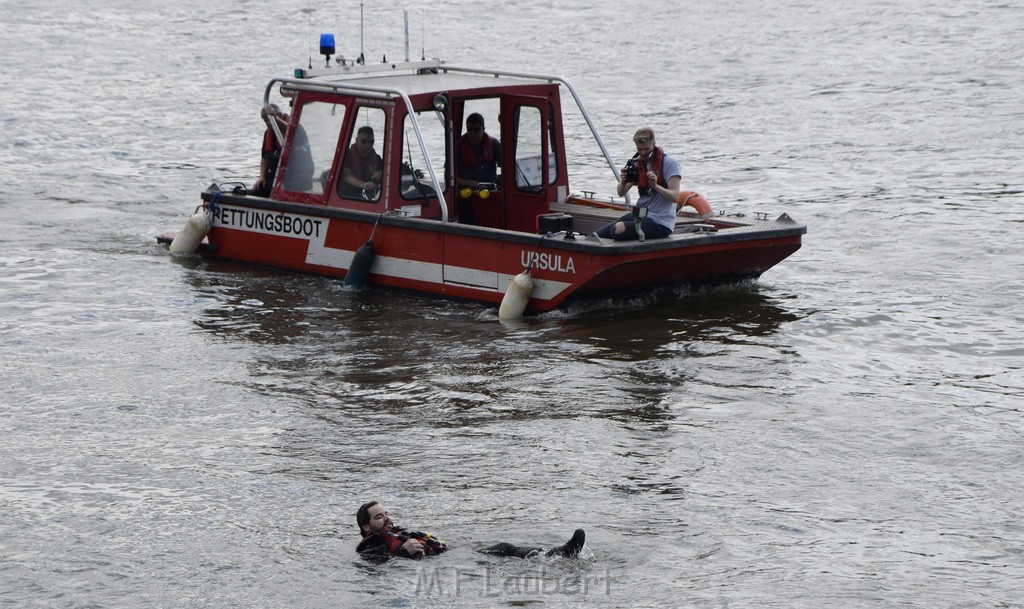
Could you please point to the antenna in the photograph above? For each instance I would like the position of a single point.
(406, 13)
(362, 57)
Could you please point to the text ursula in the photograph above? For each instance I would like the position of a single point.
(548, 262)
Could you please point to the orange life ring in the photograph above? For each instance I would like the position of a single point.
(696, 201)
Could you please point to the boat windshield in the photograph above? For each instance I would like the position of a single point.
(529, 151)
(363, 166)
(414, 176)
(312, 149)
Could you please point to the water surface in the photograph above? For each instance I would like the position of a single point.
(845, 430)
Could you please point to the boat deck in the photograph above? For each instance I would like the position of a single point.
(588, 219)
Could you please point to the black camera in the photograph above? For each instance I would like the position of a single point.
(631, 171)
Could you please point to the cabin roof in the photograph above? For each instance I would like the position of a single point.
(448, 81)
(453, 82)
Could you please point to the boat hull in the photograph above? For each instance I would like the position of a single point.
(477, 263)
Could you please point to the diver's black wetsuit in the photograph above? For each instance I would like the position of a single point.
(385, 544)
(571, 549)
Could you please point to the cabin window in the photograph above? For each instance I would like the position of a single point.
(312, 147)
(415, 182)
(529, 151)
(363, 165)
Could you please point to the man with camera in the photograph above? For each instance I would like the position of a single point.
(656, 176)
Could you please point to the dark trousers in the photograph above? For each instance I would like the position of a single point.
(652, 230)
(507, 549)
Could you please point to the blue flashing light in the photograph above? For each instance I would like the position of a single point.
(327, 45)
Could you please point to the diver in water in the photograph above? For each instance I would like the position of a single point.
(382, 540)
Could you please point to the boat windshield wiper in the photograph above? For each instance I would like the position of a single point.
(522, 179)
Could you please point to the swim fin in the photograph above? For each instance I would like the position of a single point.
(572, 548)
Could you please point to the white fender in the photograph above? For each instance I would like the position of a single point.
(188, 240)
(516, 296)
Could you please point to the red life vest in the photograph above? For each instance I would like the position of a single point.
(393, 539)
(657, 162)
(363, 171)
(270, 146)
(486, 150)
(389, 539)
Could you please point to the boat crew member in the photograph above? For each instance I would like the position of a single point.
(361, 171)
(656, 176)
(477, 158)
(382, 539)
(271, 153)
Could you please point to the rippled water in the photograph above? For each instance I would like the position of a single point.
(847, 430)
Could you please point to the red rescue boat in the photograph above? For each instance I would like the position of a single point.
(314, 221)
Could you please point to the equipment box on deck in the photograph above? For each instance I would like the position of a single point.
(553, 223)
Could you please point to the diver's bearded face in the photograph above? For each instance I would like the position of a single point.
(380, 520)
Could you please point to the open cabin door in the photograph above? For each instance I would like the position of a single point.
(529, 166)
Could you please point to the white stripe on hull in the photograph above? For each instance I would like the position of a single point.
(398, 268)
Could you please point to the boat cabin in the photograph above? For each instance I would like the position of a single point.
(409, 123)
